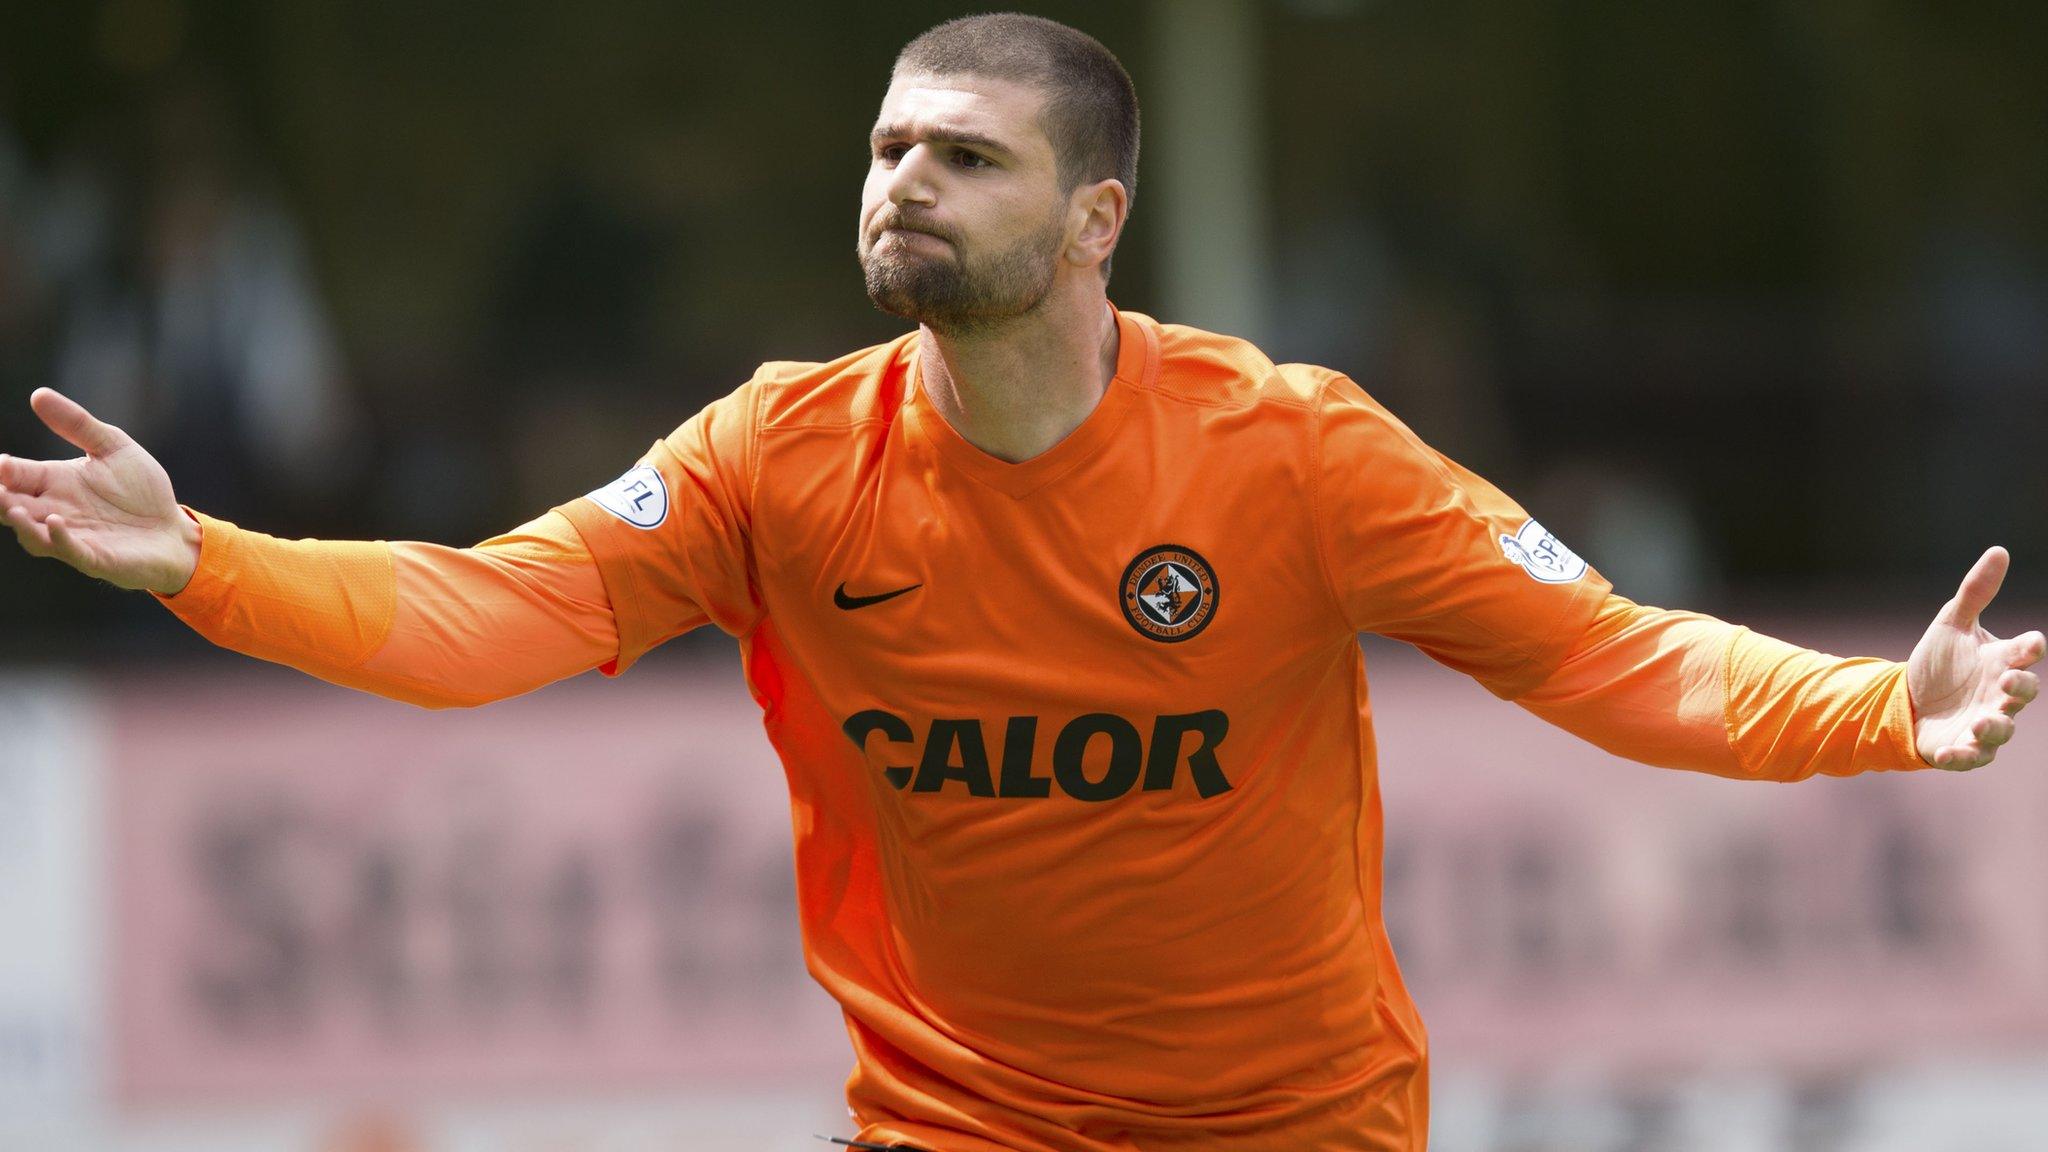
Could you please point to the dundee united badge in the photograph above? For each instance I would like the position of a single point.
(1168, 593)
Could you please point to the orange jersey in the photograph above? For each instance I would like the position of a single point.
(1079, 749)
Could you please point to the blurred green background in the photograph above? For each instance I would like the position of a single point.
(1748, 300)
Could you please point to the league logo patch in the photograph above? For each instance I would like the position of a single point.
(1168, 593)
(1542, 555)
(640, 498)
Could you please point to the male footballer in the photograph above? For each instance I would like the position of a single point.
(1052, 611)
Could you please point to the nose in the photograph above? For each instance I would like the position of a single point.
(910, 182)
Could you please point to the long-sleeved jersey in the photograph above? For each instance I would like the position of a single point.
(1079, 749)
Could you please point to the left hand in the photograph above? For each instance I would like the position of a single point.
(1966, 684)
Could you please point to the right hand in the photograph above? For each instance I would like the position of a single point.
(110, 513)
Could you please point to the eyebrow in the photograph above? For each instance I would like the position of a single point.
(941, 135)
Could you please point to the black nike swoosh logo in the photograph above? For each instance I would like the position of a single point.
(842, 600)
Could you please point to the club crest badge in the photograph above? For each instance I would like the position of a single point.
(1542, 555)
(1168, 593)
(640, 498)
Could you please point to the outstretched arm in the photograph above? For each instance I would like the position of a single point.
(1683, 690)
(417, 622)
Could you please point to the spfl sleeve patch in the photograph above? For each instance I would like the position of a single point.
(640, 498)
(1543, 556)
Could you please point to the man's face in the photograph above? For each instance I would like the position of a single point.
(961, 220)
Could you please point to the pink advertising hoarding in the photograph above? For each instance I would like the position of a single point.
(591, 888)
(1554, 906)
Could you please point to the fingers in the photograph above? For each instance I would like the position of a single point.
(1962, 757)
(47, 536)
(2020, 688)
(28, 477)
(1988, 733)
(1993, 730)
(65, 546)
(2023, 651)
(34, 537)
(67, 418)
(36, 506)
(1977, 589)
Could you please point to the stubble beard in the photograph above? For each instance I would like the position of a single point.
(963, 296)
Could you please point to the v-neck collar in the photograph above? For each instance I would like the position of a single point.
(1137, 366)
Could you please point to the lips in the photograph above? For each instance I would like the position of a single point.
(915, 232)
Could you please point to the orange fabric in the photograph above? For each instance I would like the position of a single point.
(1080, 758)
(1682, 690)
(1077, 885)
(434, 626)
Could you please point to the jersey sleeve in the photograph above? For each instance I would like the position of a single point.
(1684, 690)
(671, 536)
(1419, 549)
(423, 623)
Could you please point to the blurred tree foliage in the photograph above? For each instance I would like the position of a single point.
(1725, 245)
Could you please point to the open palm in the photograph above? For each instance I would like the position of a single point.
(1966, 684)
(110, 513)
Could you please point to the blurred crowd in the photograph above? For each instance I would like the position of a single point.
(150, 271)
(1749, 305)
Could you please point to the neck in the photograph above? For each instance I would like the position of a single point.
(1016, 390)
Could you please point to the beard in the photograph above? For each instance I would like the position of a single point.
(958, 293)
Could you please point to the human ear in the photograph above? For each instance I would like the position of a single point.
(1095, 219)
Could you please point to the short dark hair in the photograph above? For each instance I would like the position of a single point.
(1091, 107)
